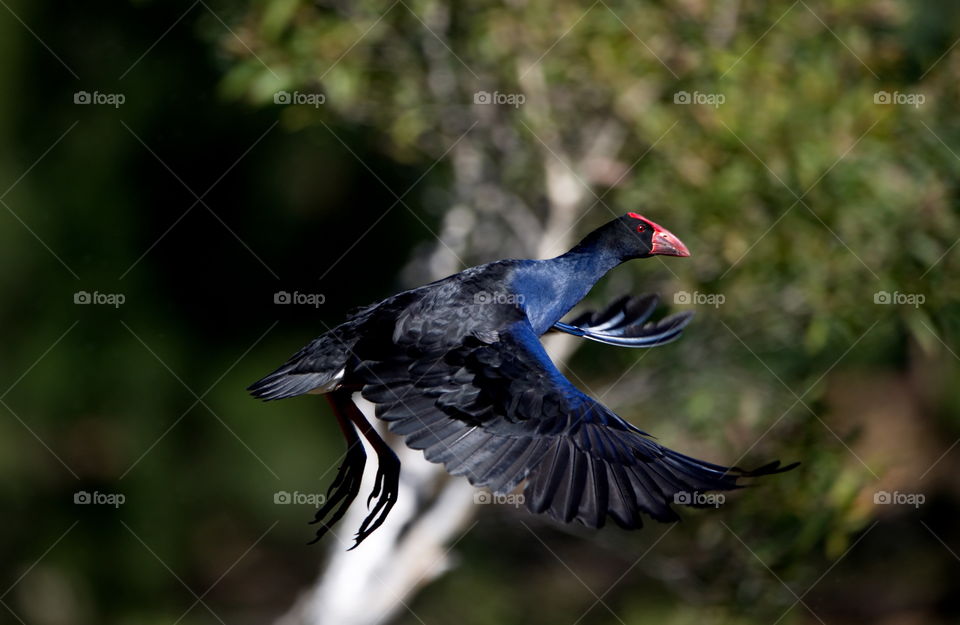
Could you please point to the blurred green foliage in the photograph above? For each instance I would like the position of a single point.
(800, 196)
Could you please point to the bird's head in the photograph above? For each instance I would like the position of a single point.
(635, 236)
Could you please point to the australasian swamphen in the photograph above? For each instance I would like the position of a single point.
(457, 369)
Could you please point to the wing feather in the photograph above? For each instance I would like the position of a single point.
(501, 414)
(625, 323)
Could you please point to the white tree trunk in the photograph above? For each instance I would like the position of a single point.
(373, 583)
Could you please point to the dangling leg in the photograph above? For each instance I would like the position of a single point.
(346, 485)
(387, 483)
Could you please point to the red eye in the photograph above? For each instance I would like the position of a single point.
(641, 228)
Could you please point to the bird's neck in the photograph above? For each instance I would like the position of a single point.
(552, 287)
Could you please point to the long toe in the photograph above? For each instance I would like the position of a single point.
(345, 487)
(385, 491)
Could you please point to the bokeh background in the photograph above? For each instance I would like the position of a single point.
(225, 151)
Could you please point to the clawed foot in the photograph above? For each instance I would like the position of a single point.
(343, 490)
(347, 483)
(386, 487)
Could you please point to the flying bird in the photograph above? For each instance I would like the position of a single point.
(456, 368)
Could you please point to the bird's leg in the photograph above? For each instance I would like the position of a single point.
(387, 482)
(346, 485)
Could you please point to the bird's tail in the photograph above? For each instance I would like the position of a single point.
(284, 383)
(318, 368)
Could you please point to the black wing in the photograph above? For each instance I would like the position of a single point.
(624, 323)
(497, 410)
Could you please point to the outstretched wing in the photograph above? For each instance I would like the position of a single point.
(497, 410)
(624, 323)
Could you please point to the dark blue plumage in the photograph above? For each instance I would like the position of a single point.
(457, 369)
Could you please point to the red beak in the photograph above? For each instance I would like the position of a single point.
(666, 243)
